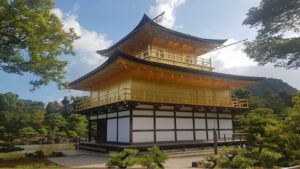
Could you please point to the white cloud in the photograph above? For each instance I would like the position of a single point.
(86, 57)
(89, 42)
(230, 57)
(233, 60)
(167, 6)
(76, 93)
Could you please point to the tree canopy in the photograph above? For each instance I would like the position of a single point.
(26, 118)
(31, 39)
(276, 21)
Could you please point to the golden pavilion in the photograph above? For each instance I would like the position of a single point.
(155, 89)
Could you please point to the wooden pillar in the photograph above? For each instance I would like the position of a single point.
(194, 130)
(215, 142)
(206, 125)
(218, 123)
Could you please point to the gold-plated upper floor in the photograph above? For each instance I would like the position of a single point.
(127, 94)
(175, 58)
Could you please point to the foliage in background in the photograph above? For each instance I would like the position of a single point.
(272, 141)
(269, 93)
(278, 41)
(31, 39)
(26, 119)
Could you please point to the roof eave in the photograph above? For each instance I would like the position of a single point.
(117, 54)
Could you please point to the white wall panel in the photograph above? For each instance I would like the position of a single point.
(124, 113)
(211, 114)
(200, 124)
(212, 123)
(199, 114)
(164, 123)
(112, 130)
(200, 135)
(189, 114)
(211, 134)
(143, 112)
(185, 135)
(123, 130)
(102, 116)
(225, 115)
(225, 123)
(227, 133)
(166, 107)
(164, 113)
(184, 123)
(142, 123)
(140, 137)
(165, 136)
(93, 117)
(111, 115)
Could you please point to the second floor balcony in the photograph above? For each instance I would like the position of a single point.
(175, 58)
(126, 94)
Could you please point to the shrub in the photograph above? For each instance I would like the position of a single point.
(153, 158)
(43, 131)
(57, 154)
(28, 132)
(9, 147)
(37, 154)
(124, 159)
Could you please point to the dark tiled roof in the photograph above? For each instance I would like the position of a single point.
(118, 54)
(145, 20)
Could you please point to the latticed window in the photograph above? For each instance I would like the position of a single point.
(145, 55)
(188, 59)
(161, 54)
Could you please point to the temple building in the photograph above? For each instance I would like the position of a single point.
(155, 89)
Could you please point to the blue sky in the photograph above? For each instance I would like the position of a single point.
(101, 23)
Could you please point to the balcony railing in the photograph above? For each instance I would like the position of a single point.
(178, 59)
(159, 97)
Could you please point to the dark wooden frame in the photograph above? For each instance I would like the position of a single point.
(131, 106)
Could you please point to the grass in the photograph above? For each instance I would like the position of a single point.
(29, 163)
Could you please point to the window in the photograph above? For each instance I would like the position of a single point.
(188, 59)
(161, 54)
(145, 55)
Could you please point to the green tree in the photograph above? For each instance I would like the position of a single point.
(77, 123)
(43, 131)
(54, 122)
(153, 158)
(28, 132)
(54, 107)
(68, 107)
(254, 123)
(37, 118)
(123, 159)
(274, 19)
(31, 39)
(285, 137)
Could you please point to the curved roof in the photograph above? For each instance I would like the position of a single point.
(147, 21)
(118, 54)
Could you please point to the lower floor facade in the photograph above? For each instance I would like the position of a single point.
(136, 123)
